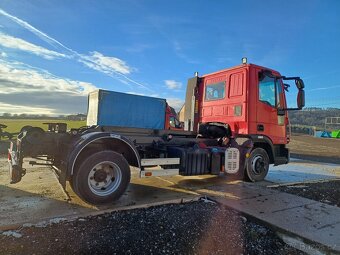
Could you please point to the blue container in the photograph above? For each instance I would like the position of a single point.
(109, 108)
(321, 134)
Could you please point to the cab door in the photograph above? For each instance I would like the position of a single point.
(270, 98)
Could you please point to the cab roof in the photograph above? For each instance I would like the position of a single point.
(242, 66)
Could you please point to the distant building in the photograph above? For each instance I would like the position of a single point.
(181, 113)
(76, 117)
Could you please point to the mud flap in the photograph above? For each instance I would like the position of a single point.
(16, 173)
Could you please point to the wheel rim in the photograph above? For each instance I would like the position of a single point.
(104, 178)
(258, 165)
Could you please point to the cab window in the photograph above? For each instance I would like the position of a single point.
(267, 91)
(215, 91)
(172, 122)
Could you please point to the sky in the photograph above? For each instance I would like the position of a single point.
(53, 53)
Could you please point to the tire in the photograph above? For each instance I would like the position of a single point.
(25, 128)
(102, 178)
(257, 165)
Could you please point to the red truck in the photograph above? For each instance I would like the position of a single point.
(235, 122)
(171, 119)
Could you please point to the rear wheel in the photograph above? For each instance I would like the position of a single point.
(102, 177)
(25, 128)
(257, 165)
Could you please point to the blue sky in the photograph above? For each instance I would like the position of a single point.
(52, 53)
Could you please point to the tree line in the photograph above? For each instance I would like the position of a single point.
(79, 116)
(314, 117)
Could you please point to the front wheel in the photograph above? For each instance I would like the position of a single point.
(103, 177)
(257, 165)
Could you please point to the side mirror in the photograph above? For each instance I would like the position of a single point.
(301, 98)
(299, 84)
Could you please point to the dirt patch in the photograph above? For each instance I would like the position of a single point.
(325, 192)
(315, 149)
(192, 228)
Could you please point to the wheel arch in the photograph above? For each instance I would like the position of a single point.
(93, 142)
(265, 143)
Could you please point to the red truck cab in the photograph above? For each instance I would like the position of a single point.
(246, 100)
(171, 119)
(250, 99)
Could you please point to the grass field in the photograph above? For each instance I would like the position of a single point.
(14, 125)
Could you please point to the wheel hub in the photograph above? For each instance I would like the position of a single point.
(258, 165)
(100, 176)
(104, 178)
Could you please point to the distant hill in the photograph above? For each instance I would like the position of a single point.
(314, 117)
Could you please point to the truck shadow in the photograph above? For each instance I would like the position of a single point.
(19, 206)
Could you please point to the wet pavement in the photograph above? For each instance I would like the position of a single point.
(302, 171)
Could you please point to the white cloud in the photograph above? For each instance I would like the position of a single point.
(33, 80)
(19, 44)
(24, 89)
(142, 94)
(35, 31)
(105, 64)
(3, 54)
(176, 103)
(325, 88)
(111, 66)
(19, 109)
(171, 84)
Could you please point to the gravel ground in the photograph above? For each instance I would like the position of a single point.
(191, 228)
(326, 192)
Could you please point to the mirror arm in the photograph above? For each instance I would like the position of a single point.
(291, 109)
(289, 78)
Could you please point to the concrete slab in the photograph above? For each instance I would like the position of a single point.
(302, 171)
(38, 196)
(237, 191)
(310, 220)
(270, 204)
(316, 222)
